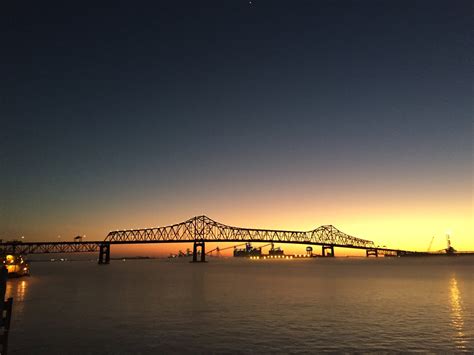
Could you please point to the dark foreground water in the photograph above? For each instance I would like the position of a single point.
(245, 306)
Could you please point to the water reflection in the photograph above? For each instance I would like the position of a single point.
(18, 289)
(457, 316)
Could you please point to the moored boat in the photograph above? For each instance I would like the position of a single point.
(16, 265)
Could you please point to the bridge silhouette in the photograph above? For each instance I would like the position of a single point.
(201, 229)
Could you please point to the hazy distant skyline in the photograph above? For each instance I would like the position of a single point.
(273, 114)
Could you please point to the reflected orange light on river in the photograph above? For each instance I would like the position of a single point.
(17, 289)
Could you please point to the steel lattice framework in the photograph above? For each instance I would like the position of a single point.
(48, 247)
(205, 229)
(202, 229)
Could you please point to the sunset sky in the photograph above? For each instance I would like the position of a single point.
(269, 114)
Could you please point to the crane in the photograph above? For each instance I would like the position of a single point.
(449, 249)
(266, 245)
(217, 249)
(431, 243)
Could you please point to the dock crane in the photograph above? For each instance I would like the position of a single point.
(218, 250)
(188, 253)
(449, 249)
(431, 243)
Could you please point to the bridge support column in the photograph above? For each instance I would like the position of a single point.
(328, 250)
(372, 252)
(104, 253)
(202, 245)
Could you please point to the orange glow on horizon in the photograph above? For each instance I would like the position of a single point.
(400, 217)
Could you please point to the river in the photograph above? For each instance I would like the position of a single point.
(243, 306)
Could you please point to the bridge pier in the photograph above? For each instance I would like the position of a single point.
(327, 250)
(104, 253)
(202, 245)
(372, 252)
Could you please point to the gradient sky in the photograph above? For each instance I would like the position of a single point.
(274, 114)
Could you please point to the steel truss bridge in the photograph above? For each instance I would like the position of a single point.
(199, 230)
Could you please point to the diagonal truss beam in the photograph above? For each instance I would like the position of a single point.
(204, 228)
(48, 247)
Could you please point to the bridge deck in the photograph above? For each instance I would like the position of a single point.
(93, 246)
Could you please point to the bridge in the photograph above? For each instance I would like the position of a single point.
(201, 229)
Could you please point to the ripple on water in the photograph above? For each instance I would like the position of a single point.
(235, 306)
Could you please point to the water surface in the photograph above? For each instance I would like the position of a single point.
(244, 306)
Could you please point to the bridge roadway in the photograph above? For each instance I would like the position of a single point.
(201, 229)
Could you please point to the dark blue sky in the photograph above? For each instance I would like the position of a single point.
(103, 105)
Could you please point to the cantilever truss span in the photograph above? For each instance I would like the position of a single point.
(48, 247)
(204, 228)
